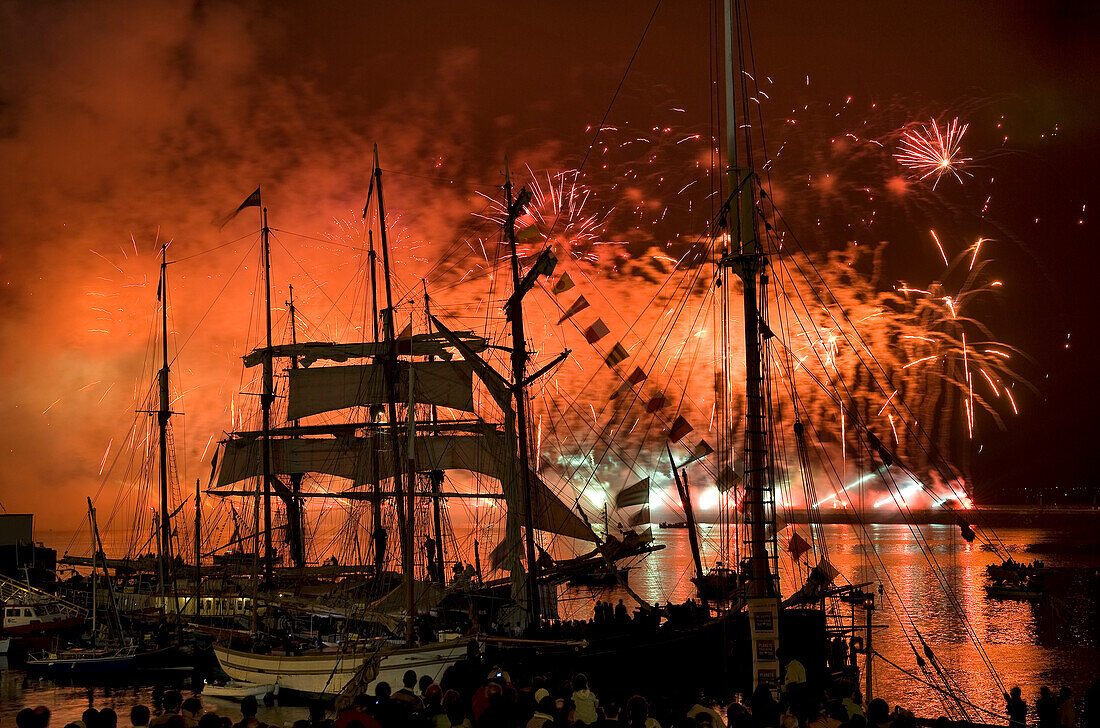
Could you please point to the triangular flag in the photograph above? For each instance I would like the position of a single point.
(404, 340)
(657, 402)
(596, 331)
(646, 535)
(701, 451)
(636, 377)
(528, 234)
(498, 554)
(213, 465)
(827, 571)
(797, 546)
(727, 479)
(633, 495)
(406, 333)
(640, 517)
(579, 305)
(252, 200)
(563, 284)
(616, 355)
(679, 428)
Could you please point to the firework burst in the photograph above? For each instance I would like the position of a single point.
(930, 151)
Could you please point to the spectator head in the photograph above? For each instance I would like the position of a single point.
(425, 682)
(1015, 692)
(25, 718)
(1064, 693)
(637, 710)
(382, 690)
(172, 701)
(409, 679)
(857, 721)
(540, 695)
(249, 706)
(362, 701)
(108, 718)
(42, 713)
(580, 682)
(210, 720)
(90, 718)
(878, 711)
(175, 721)
(317, 709)
(193, 707)
(548, 705)
(139, 716)
(433, 694)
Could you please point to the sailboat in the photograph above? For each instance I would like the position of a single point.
(398, 451)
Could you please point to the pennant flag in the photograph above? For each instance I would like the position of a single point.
(528, 234)
(636, 377)
(679, 428)
(579, 305)
(213, 466)
(640, 517)
(563, 284)
(596, 331)
(646, 535)
(827, 571)
(701, 451)
(797, 546)
(498, 554)
(404, 340)
(633, 495)
(252, 200)
(616, 355)
(658, 402)
(727, 479)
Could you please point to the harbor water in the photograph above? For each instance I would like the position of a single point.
(933, 591)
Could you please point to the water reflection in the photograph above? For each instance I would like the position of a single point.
(1055, 643)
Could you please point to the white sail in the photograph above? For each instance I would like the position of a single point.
(324, 389)
(366, 460)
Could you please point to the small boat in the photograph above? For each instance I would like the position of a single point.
(1027, 592)
(84, 661)
(601, 576)
(239, 689)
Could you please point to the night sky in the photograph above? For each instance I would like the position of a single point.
(124, 122)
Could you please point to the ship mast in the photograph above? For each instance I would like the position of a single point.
(746, 259)
(376, 504)
(266, 399)
(295, 534)
(519, 365)
(390, 368)
(163, 414)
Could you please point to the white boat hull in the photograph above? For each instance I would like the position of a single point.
(236, 690)
(329, 673)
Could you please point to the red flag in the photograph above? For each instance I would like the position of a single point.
(563, 284)
(658, 402)
(797, 546)
(701, 451)
(616, 355)
(636, 377)
(579, 305)
(596, 331)
(726, 479)
(252, 200)
(679, 428)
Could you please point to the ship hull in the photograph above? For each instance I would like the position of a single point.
(329, 673)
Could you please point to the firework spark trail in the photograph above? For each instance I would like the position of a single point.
(930, 151)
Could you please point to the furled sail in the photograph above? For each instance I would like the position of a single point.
(323, 389)
(366, 460)
(308, 352)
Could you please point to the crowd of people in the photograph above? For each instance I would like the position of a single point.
(473, 695)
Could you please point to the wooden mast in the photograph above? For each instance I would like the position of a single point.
(267, 397)
(746, 259)
(376, 505)
(295, 532)
(436, 476)
(163, 414)
(389, 364)
(519, 365)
